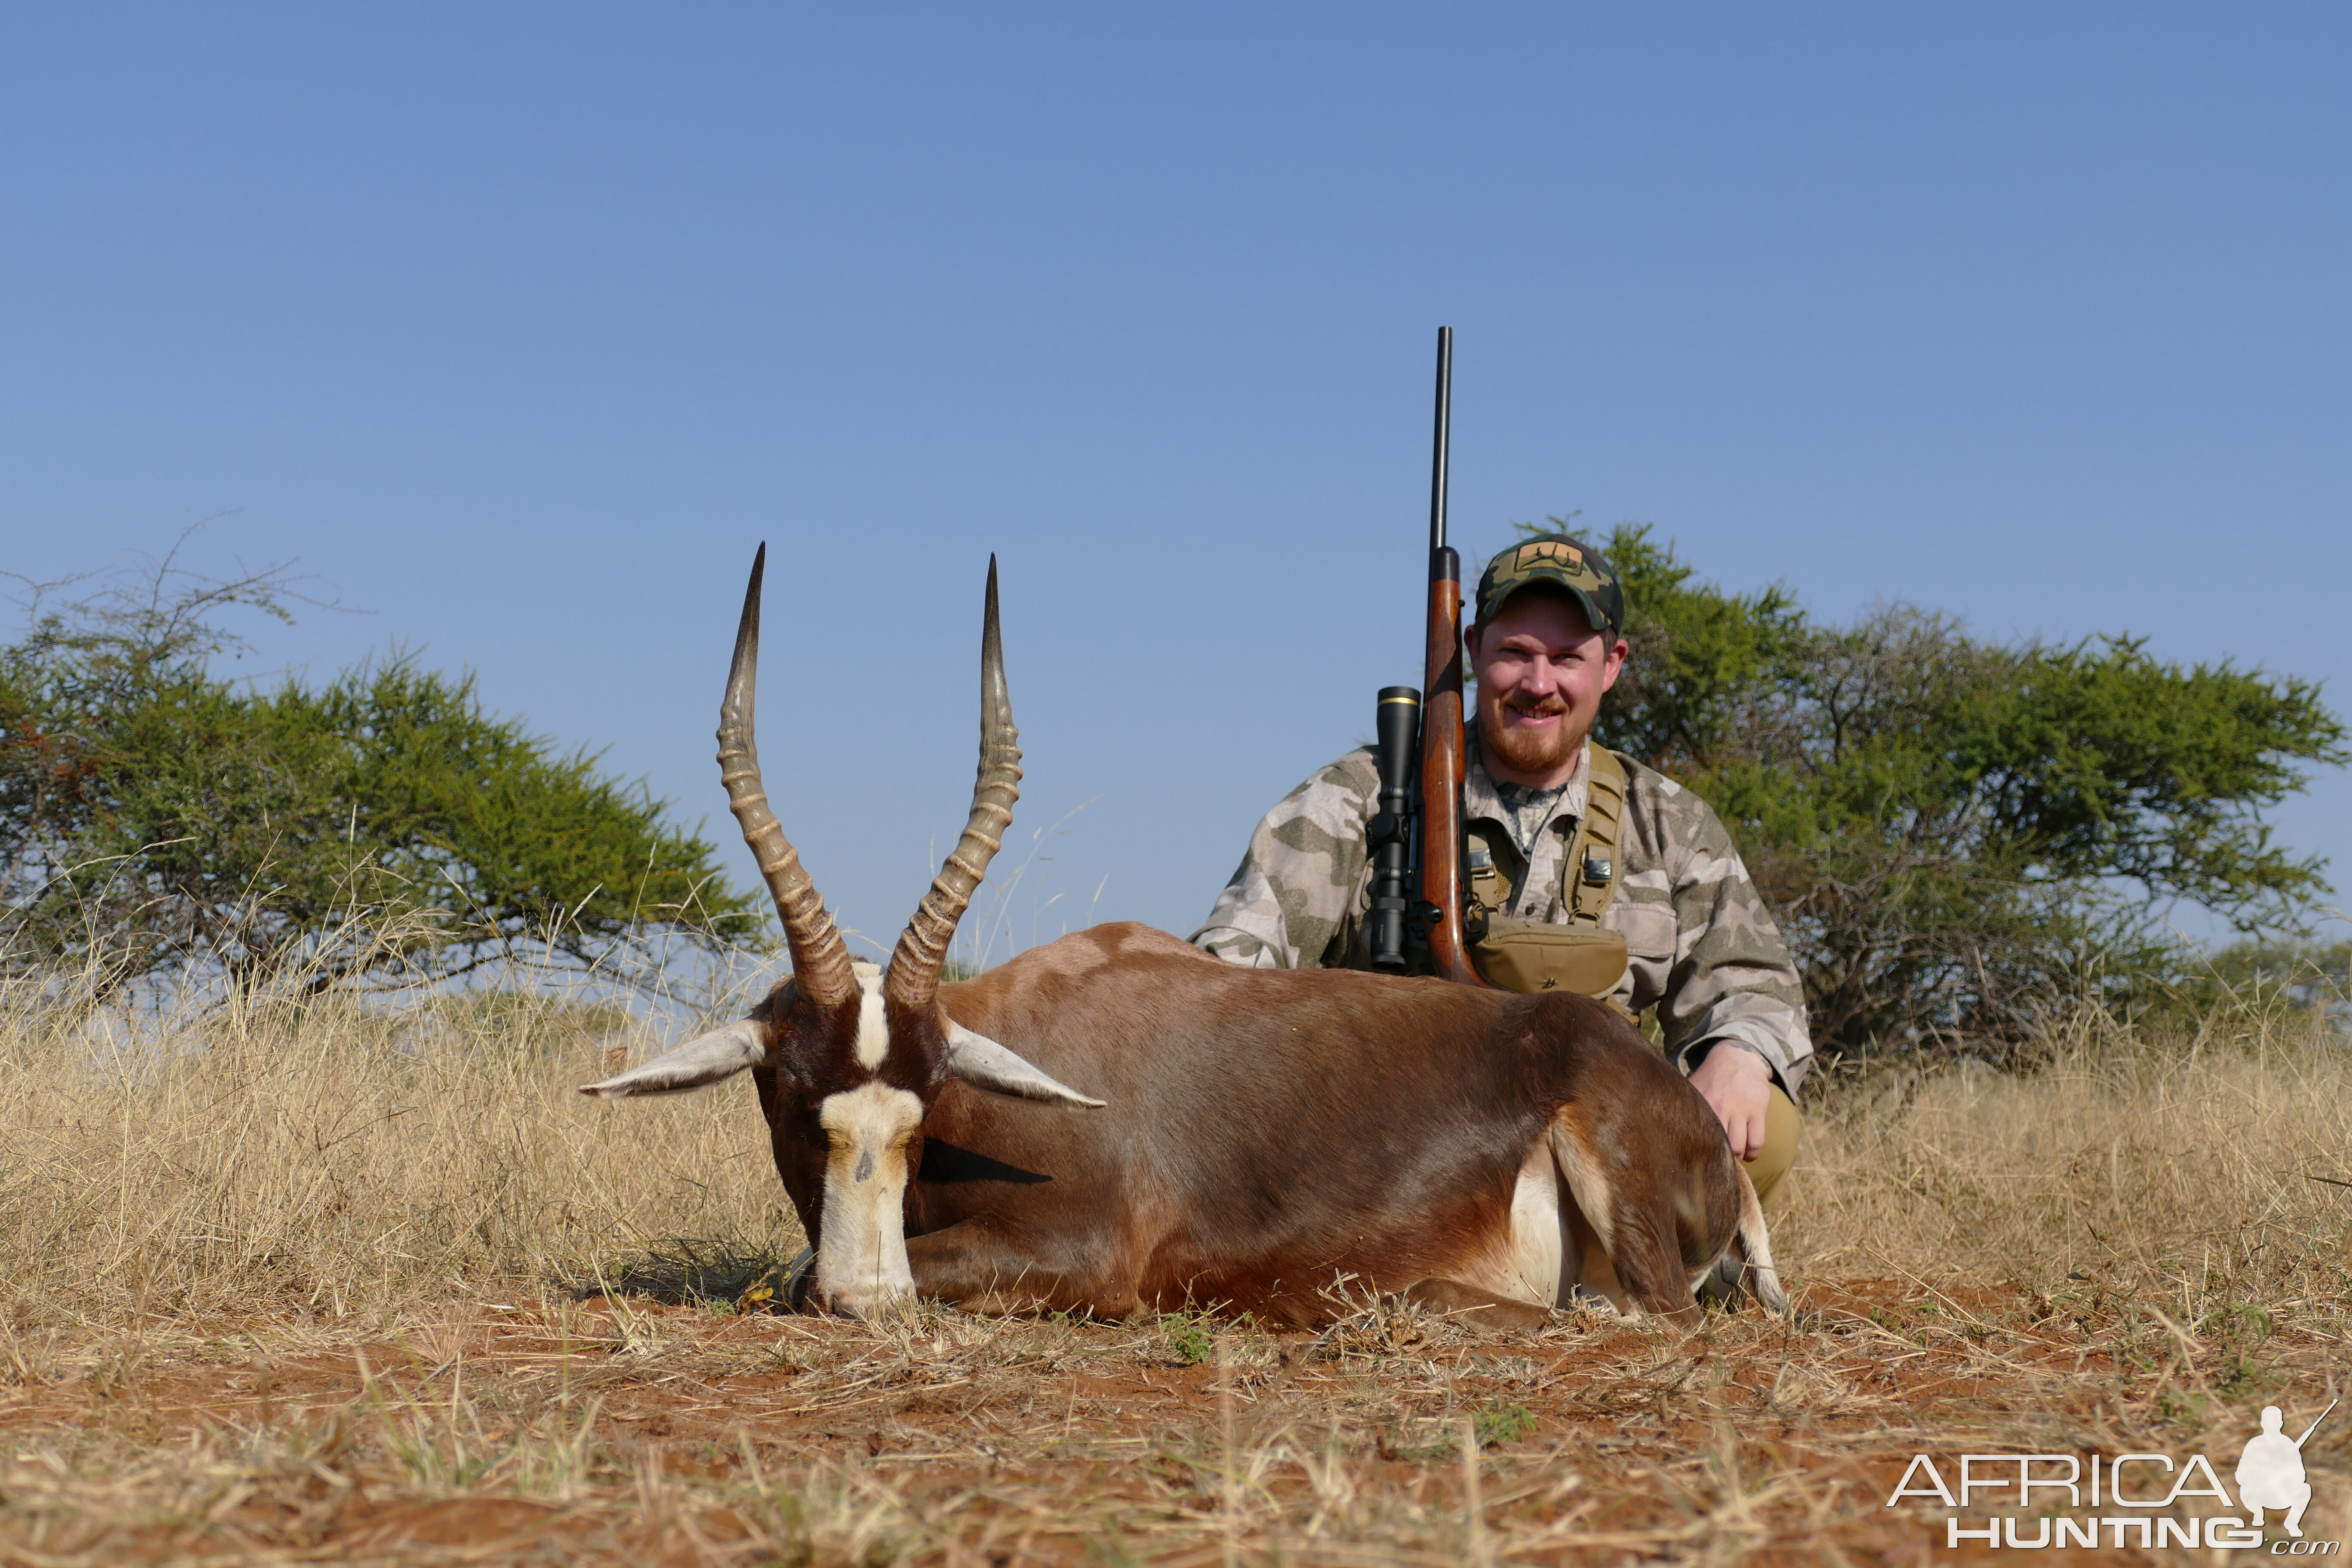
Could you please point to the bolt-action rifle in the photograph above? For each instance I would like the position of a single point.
(1419, 894)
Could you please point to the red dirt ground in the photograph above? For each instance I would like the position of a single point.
(559, 1431)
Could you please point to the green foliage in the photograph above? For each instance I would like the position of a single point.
(1189, 1335)
(1699, 656)
(1948, 827)
(382, 830)
(1502, 1423)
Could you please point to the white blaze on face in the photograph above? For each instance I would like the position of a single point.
(872, 1026)
(861, 1261)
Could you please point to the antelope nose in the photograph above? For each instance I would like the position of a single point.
(857, 1299)
(840, 1303)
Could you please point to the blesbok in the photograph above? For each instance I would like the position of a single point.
(1258, 1134)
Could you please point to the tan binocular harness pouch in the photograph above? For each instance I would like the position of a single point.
(1534, 956)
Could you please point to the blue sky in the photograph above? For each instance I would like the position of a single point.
(522, 326)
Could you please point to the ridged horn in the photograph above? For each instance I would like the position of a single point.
(819, 958)
(922, 952)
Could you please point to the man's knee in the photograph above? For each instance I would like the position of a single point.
(1781, 1130)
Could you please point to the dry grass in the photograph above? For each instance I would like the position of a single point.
(283, 1287)
(333, 1159)
(2208, 1167)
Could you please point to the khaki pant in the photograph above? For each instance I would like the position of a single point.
(1779, 1151)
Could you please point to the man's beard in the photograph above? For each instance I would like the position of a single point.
(1530, 750)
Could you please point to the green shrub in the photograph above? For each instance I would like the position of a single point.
(383, 829)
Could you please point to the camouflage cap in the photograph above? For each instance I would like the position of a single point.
(1559, 561)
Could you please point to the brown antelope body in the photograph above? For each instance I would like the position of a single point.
(1236, 1136)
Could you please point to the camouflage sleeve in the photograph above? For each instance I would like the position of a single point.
(1703, 948)
(1290, 901)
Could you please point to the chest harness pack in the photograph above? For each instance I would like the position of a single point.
(1575, 952)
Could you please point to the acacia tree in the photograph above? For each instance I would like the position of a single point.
(382, 830)
(1948, 827)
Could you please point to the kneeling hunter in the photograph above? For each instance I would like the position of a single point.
(1562, 833)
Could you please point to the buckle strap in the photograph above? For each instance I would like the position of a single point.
(1590, 871)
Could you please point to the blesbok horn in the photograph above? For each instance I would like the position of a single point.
(922, 951)
(819, 958)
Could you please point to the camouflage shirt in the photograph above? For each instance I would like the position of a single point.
(1703, 949)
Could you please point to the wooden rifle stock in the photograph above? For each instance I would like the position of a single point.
(1443, 763)
(1442, 766)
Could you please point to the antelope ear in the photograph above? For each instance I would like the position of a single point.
(982, 1063)
(698, 1064)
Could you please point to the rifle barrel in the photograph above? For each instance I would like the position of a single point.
(1445, 424)
(1443, 762)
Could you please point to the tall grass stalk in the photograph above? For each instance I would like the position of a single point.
(2206, 1159)
(343, 1156)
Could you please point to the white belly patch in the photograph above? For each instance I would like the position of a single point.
(1538, 1234)
(1529, 1265)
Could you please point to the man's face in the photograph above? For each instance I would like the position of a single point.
(1541, 670)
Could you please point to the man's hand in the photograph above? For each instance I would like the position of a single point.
(1738, 1084)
